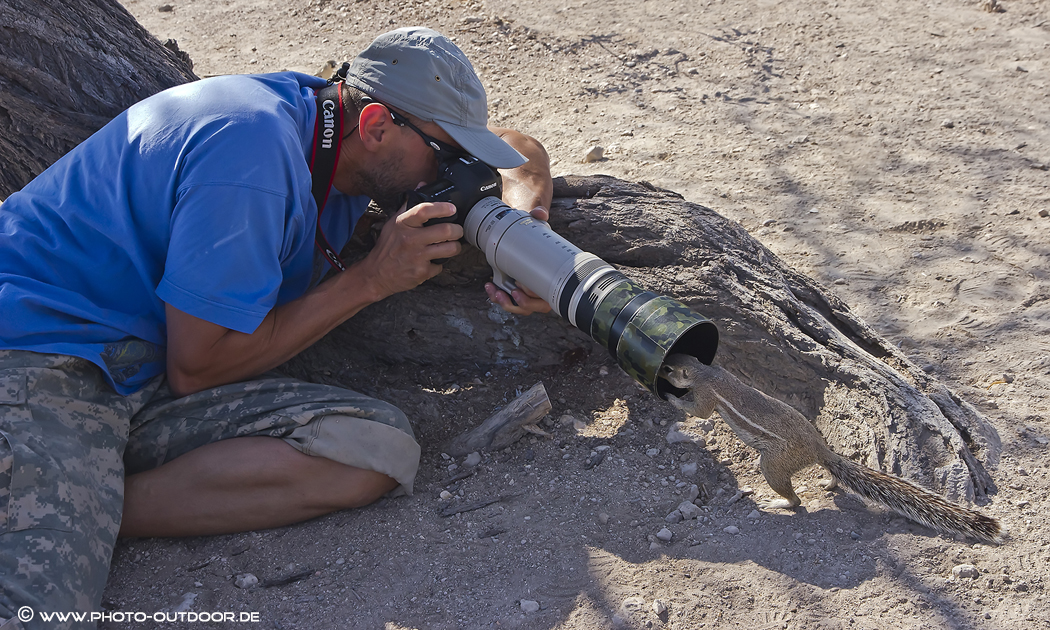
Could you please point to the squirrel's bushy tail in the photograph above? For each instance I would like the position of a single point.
(912, 501)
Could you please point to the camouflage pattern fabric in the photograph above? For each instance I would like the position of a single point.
(66, 439)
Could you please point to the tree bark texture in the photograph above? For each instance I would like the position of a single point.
(66, 68)
(781, 332)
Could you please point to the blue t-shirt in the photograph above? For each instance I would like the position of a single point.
(198, 196)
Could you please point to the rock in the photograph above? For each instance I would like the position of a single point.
(187, 601)
(245, 580)
(664, 535)
(688, 469)
(676, 436)
(674, 517)
(659, 608)
(693, 492)
(653, 452)
(631, 605)
(604, 518)
(992, 6)
(445, 495)
(472, 460)
(732, 529)
(594, 154)
(688, 510)
(965, 571)
(165, 8)
(754, 515)
(947, 124)
(1044, 213)
(529, 606)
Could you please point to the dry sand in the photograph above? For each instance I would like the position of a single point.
(896, 151)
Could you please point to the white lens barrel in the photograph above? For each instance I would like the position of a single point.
(638, 327)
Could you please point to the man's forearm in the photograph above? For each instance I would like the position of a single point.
(528, 186)
(227, 356)
(202, 354)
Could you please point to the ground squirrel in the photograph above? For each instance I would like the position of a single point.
(788, 443)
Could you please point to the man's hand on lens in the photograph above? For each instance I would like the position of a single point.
(524, 301)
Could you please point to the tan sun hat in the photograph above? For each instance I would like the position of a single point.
(422, 73)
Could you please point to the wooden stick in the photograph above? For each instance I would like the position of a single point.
(504, 427)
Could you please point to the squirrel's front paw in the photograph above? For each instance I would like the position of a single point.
(678, 403)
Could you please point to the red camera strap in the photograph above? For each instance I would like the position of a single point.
(328, 134)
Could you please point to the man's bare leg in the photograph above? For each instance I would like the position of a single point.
(243, 484)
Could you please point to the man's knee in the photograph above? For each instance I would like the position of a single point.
(332, 486)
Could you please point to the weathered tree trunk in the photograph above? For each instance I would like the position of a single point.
(66, 68)
(780, 332)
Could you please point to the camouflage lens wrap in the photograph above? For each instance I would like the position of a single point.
(660, 326)
(611, 306)
(640, 328)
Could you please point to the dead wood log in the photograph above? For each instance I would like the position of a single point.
(780, 332)
(504, 427)
(66, 68)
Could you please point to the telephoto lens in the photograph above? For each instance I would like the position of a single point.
(638, 327)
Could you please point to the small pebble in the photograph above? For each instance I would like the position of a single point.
(676, 436)
(674, 517)
(446, 495)
(965, 571)
(947, 124)
(754, 515)
(604, 518)
(659, 608)
(664, 535)
(165, 8)
(246, 580)
(688, 510)
(594, 154)
(693, 493)
(472, 460)
(653, 452)
(732, 529)
(529, 606)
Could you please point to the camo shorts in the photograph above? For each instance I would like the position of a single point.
(67, 441)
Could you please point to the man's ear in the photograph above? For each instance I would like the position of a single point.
(375, 125)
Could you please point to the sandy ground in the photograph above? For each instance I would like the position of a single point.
(896, 151)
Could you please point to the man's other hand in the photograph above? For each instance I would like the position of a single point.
(524, 301)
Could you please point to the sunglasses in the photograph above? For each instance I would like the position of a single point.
(442, 150)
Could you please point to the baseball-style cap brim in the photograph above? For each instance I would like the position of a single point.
(484, 145)
(421, 72)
